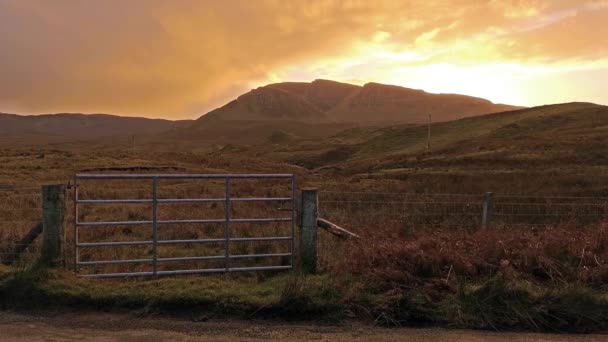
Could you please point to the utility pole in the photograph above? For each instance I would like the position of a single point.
(428, 137)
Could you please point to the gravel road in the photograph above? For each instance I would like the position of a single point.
(95, 326)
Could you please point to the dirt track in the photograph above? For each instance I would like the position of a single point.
(77, 326)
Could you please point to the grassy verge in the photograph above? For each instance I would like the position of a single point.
(285, 295)
(494, 303)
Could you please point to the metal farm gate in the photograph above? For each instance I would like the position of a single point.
(152, 264)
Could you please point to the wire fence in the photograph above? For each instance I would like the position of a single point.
(358, 211)
(20, 212)
(367, 210)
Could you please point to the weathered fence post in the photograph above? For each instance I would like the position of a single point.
(308, 230)
(53, 212)
(488, 208)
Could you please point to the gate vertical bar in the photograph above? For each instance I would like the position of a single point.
(75, 237)
(227, 228)
(154, 226)
(293, 219)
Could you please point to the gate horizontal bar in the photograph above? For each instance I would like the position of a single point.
(117, 275)
(212, 257)
(280, 219)
(170, 242)
(259, 268)
(112, 223)
(184, 272)
(184, 200)
(279, 238)
(178, 176)
(191, 221)
(132, 223)
(116, 243)
(259, 255)
(259, 199)
(112, 262)
(189, 200)
(200, 271)
(106, 201)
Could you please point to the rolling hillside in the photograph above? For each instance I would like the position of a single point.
(571, 133)
(74, 127)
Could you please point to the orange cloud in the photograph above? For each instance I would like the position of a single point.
(179, 59)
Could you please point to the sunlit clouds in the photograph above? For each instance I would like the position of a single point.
(179, 59)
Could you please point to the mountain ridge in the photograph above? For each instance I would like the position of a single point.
(337, 102)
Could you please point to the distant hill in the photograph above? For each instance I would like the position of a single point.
(538, 137)
(71, 127)
(275, 113)
(323, 101)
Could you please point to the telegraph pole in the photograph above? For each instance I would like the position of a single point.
(428, 137)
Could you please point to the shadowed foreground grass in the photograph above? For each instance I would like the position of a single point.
(494, 303)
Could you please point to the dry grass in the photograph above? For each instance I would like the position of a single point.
(440, 260)
(416, 263)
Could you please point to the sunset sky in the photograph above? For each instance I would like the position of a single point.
(178, 59)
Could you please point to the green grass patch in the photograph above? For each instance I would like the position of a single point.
(492, 304)
(288, 294)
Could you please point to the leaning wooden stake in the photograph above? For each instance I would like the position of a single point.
(22, 245)
(308, 230)
(335, 229)
(53, 212)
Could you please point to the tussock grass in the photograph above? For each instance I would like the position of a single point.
(282, 295)
(494, 303)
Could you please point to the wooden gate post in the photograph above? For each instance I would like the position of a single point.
(488, 208)
(308, 230)
(53, 212)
